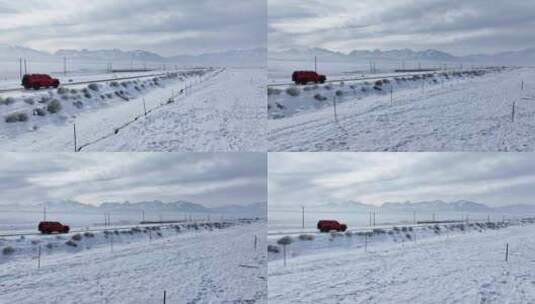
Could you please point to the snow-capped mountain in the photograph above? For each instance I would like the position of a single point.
(437, 205)
(256, 209)
(526, 56)
(111, 55)
(294, 54)
(10, 52)
(250, 57)
(253, 57)
(430, 206)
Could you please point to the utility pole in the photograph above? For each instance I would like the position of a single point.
(316, 64)
(64, 65)
(44, 213)
(142, 215)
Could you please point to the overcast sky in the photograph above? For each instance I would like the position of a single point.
(495, 179)
(169, 27)
(209, 179)
(457, 26)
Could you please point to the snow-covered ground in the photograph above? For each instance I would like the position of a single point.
(430, 265)
(465, 112)
(193, 264)
(220, 110)
(226, 113)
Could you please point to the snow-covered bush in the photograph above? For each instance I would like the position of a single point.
(94, 87)
(273, 249)
(320, 97)
(54, 106)
(273, 91)
(71, 243)
(86, 93)
(339, 93)
(63, 91)
(306, 237)
(7, 101)
(77, 237)
(379, 231)
(293, 91)
(89, 234)
(114, 84)
(16, 117)
(29, 101)
(8, 250)
(285, 241)
(78, 104)
(44, 99)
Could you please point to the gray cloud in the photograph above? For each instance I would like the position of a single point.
(492, 178)
(457, 26)
(211, 179)
(164, 26)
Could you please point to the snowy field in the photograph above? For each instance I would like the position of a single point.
(214, 263)
(226, 113)
(453, 111)
(436, 264)
(208, 110)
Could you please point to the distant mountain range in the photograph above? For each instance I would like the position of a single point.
(250, 57)
(512, 57)
(429, 206)
(256, 209)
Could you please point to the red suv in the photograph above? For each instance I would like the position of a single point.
(328, 225)
(37, 81)
(304, 77)
(50, 227)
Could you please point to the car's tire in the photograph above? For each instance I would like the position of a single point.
(36, 87)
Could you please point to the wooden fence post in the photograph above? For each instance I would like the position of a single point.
(513, 112)
(75, 139)
(507, 252)
(284, 253)
(164, 296)
(334, 108)
(39, 258)
(144, 106)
